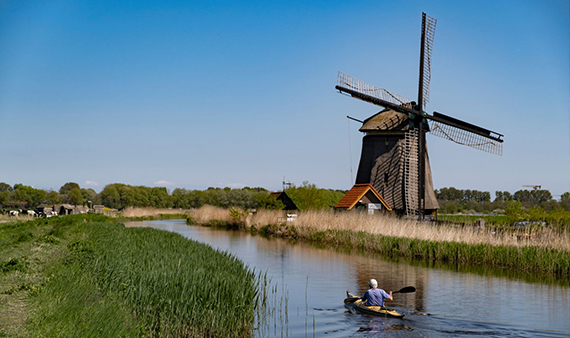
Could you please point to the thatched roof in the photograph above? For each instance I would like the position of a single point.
(386, 120)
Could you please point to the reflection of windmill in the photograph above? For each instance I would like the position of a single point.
(394, 154)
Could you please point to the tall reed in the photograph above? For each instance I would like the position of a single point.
(388, 225)
(149, 211)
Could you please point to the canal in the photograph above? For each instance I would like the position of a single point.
(307, 286)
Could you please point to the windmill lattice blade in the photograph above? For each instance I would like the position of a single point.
(411, 171)
(354, 84)
(429, 35)
(466, 138)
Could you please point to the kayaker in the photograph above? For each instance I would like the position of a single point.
(375, 296)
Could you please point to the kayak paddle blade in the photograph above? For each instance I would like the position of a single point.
(407, 289)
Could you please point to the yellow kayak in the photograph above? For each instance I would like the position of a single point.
(357, 304)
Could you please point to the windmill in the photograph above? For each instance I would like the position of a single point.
(394, 153)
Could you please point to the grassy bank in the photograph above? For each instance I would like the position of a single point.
(541, 250)
(85, 276)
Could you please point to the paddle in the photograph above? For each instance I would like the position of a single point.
(407, 289)
(352, 298)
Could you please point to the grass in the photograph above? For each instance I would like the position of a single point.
(543, 250)
(86, 276)
(489, 219)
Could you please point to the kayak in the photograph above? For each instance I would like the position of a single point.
(357, 304)
(376, 310)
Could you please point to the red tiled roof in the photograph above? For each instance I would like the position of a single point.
(355, 194)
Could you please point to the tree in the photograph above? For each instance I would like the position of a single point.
(4, 197)
(308, 196)
(565, 201)
(91, 195)
(449, 194)
(52, 197)
(514, 211)
(503, 196)
(245, 199)
(159, 198)
(532, 198)
(110, 196)
(66, 188)
(28, 196)
(266, 201)
(5, 187)
(75, 196)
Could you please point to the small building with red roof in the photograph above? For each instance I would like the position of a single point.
(363, 197)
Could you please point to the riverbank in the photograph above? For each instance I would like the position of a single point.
(541, 250)
(85, 275)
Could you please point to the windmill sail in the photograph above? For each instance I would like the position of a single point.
(370, 93)
(466, 134)
(411, 183)
(428, 33)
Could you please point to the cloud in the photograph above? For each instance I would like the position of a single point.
(91, 183)
(163, 182)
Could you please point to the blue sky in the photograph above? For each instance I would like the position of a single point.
(225, 93)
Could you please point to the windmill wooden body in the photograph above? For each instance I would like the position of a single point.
(394, 155)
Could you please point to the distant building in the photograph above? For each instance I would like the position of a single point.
(70, 209)
(81, 209)
(363, 197)
(64, 209)
(285, 199)
(99, 209)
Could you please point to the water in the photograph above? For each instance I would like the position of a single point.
(308, 285)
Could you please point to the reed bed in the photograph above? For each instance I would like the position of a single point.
(542, 249)
(406, 228)
(151, 212)
(209, 213)
(117, 281)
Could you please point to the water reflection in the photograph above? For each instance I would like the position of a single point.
(309, 285)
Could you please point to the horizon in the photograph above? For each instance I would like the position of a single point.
(192, 95)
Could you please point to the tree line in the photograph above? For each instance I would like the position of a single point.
(120, 196)
(306, 196)
(452, 200)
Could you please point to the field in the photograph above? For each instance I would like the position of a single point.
(489, 219)
(86, 276)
